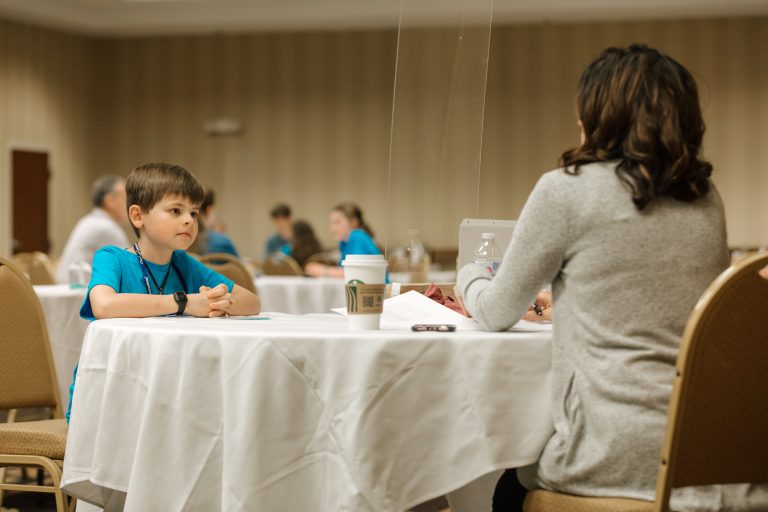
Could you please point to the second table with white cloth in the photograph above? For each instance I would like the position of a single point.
(299, 295)
(299, 413)
(61, 307)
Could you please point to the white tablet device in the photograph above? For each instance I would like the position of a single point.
(471, 230)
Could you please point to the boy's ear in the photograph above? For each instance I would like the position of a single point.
(136, 216)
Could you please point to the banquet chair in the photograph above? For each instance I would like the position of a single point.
(718, 419)
(28, 380)
(230, 267)
(325, 257)
(37, 266)
(281, 265)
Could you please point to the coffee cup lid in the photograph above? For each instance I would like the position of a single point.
(364, 259)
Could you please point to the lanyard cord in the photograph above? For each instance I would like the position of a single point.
(148, 273)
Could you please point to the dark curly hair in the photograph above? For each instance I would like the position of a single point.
(641, 107)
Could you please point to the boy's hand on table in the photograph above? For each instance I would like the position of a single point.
(198, 304)
(220, 301)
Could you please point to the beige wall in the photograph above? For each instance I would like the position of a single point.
(43, 106)
(316, 109)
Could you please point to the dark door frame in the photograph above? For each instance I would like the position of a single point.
(8, 186)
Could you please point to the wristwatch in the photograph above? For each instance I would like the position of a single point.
(181, 300)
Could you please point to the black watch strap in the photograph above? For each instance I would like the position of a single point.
(181, 300)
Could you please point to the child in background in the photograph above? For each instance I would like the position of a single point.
(353, 234)
(304, 243)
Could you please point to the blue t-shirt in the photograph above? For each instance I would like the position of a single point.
(219, 242)
(275, 243)
(120, 270)
(359, 242)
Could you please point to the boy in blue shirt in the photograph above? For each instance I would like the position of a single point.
(156, 276)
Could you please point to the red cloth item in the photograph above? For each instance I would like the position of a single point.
(436, 294)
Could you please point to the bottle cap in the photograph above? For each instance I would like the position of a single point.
(488, 236)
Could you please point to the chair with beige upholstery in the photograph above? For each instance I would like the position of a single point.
(281, 265)
(27, 380)
(37, 266)
(230, 267)
(718, 418)
(326, 258)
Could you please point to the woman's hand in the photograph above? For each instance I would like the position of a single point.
(460, 301)
(544, 303)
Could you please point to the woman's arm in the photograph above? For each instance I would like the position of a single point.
(533, 259)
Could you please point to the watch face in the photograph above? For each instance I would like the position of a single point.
(180, 296)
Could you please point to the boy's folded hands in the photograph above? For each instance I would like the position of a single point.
(218, 300)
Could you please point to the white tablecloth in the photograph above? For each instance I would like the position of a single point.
(61, 307)
(298, 413)
(300, 295)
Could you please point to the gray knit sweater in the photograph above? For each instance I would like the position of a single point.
(624, 283)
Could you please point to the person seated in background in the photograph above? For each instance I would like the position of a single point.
(156, 276)
(630, 231)
(281, 218)
(304, 244)
(102, 226)
(353, 234)
(210, 239)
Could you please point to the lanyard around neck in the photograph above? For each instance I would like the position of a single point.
(148, 273)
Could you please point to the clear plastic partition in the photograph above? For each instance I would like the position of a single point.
(437, 126)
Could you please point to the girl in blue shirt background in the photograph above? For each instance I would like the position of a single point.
(353, 234)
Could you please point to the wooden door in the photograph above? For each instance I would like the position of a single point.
(30, 201)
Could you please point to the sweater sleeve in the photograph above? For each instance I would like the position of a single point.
(533, 259)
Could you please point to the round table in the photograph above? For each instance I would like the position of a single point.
(300, 295)
(61, 307)
(298, 413)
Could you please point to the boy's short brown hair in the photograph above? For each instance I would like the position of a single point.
(149, 183)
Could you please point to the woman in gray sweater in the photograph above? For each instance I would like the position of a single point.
(629, 231)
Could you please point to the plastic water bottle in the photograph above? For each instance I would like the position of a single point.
(79, 274)
(415, 250)
(416, 257)
(488, 254)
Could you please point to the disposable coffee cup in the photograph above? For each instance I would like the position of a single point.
(365, 282)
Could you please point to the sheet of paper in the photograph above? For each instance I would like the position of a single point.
(402, 311)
